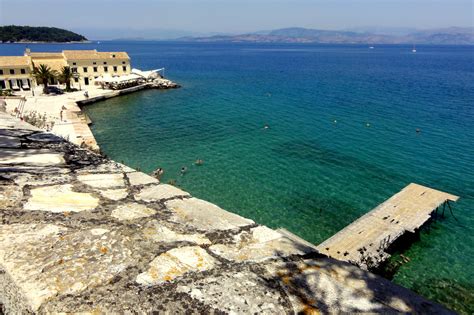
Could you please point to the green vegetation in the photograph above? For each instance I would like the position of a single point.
(13, 33)
(65, 76)
(6, 92)
(43, 74)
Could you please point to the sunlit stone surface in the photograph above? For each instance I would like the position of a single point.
(132, 211)
(161, 233)
(175, 263)
(114, 194)
(102, 180)
(160, 192)
(204, 215)
(138, 178)
(60, 198)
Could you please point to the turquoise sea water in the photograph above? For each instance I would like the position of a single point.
(342, 138)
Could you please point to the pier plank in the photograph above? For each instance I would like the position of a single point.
(375, 231)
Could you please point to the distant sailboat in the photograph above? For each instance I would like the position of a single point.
(414, 49)
(371, 47)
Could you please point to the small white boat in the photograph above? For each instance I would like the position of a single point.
(371, 47)
(414, 49)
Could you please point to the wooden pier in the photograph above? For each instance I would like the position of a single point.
(365, 240)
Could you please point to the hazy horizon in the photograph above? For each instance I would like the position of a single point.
(168, 19)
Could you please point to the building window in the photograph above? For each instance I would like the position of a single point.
(23, 71)
(76, 80)
(1, 71)
(123, 62)
(115, 68)
(3, 85)
(105, 62)
(94, 63)
(113, 56)
(95, 69)
(73, 63)
(12, 71)
(84, 69)
(74, 70)
(124, 68)
(106, 69)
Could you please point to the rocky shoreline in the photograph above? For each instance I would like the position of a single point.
(82, 233)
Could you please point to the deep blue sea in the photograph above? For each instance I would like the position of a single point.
(342, 137)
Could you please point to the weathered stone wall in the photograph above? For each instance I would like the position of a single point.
(81, 233)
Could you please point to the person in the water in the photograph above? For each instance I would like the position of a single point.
(158, 172)
(199, 162)
(184, 169)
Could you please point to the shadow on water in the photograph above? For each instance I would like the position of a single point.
(456, 295)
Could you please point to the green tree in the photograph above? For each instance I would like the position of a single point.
(43, 74)
(65, 76)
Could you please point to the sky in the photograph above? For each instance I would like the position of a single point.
(122, 17)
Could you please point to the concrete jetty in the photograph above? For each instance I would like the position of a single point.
(365, 241)
(80, 233)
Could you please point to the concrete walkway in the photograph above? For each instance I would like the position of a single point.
(64, 112)
(81, 233)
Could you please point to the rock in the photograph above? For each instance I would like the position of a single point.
(175, 263)
(248, 293)
(124, 168)
(159, 192)
(132, 211)
(204, 215)
(138, 178)
(9, 142)
(344, 288)
(60, 198)
(107, 167)
(31, 157)
(48, 260)
(10, 196)
(114, 194)
(102, 180)
(45, 137)
(161, 233)
(260, 244)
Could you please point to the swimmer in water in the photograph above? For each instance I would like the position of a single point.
(199, 162)
(158, 172)
(266, 126)
(418, 130)
(183, 170)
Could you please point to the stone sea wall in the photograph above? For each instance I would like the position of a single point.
(82, 233)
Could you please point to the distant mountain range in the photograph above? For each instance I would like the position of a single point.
(445, 36)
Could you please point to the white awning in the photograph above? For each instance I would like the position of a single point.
(150, 74)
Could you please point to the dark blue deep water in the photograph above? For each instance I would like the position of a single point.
(342, 138)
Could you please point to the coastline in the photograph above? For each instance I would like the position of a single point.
(82, 227)
(63, 114)
(46, 42)
(64, 111)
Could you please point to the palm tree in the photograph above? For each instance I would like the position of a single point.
(65, 76)
(43, 74)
